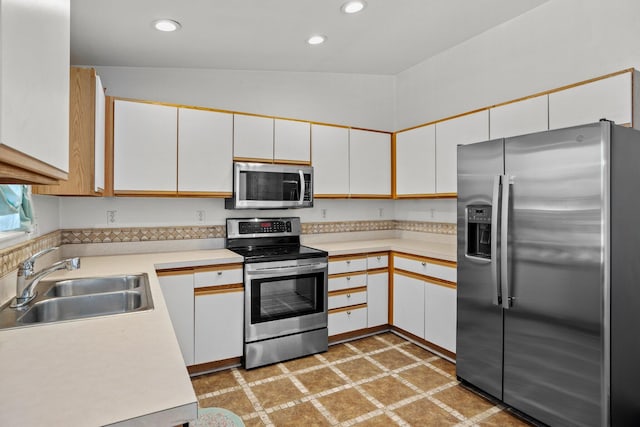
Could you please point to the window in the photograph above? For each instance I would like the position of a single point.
(15, 208)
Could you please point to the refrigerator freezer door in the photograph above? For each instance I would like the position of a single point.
(553, 330)
(479, 329)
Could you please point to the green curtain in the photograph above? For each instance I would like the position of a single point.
(16, 199)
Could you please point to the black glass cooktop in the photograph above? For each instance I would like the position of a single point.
(278, 253)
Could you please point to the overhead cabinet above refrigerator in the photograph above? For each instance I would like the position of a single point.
(547, 273)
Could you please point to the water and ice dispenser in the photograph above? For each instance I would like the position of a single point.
(479, 231)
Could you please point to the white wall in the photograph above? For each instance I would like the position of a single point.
(348, 99)
(559, 43)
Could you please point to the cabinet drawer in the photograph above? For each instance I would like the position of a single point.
(347, 281)
(377, 261)
(217, 275)
(347, 299)
(425, 268)
(347, 320)
(347, 265)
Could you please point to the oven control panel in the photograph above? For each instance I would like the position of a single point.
(264, 227)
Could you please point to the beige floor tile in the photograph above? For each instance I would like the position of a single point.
(235, 401)
(277, 392)
(302, 363)
(359, 369)
(392, 338)
(424, 377)
(338, 352)
(368, 344)
(425, 413)
(464, 401)
(446, 366)
(388, 390)
(304, 414)
(418, 351)
(347, 404)
(392, 359)
(261, 373)
(378, 421)
(504, 419)
(320, 380)
(253, 422)
(212, 382)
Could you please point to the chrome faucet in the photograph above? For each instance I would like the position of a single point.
(28, 279)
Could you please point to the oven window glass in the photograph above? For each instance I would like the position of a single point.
(271, 186)
(280, 298)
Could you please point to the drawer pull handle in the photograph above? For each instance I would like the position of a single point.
(348, 295)
(349, 278)
(378, 257)
(219, 273)
(348, 313)
(348, 262)
(423, 264)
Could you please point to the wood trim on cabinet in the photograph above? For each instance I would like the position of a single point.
(381, 270)
(422, 277)
(108, 147)
(380, 253)
(423, 342)
(17, 167)
(291, 162)
(348, 291)
(181, 271)
(218, 289)
(437, 261)
(394, 192)
(390, 296)
(348, 336)
(347, 308)
(347, 257)
(217, 267)
(207, 194)
(330, 196)
(370, 196)
(145, 193)
(252, 160)
(427, 196)
(348, 274)
(214, 366)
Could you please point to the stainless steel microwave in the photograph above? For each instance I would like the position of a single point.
(266, 186)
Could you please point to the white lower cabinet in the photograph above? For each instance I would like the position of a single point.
(347, 320)
(178, 295)
(440, 316)
(219, 317)
(377, 299)
(408, 304)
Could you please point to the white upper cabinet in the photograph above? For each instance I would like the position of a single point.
(292, 141)
(416, 161)
(449, 134)
(205, 141)
(145, 147)
(253, 138)
(34, 89)
(369, 163)
(520, 118)
(330, 151)
(609, 98)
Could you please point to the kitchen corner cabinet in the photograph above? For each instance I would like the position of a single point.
(520, 118)
(268, 140)
(369, 164)
(177, 290)
(34, 91)
(86, 137)
(330, 152)
(609, 98)
(416, 162)
(408, 304)
(144, 148)
(465, 129)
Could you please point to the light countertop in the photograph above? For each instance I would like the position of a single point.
(444, 251)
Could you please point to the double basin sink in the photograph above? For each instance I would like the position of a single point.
(61, 300)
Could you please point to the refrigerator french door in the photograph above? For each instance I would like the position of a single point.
(532, 263)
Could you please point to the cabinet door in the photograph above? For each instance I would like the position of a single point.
(292, 141)
(34, 89)
(178, 295)
(520, 118)
(330, 153)
(145, 147)
(377, 299)
(205, 144)
(252, 138)
(369, 163)
(99, 129)
(609, 99)
(347, 320)
(408, 304)
(218, 325)
(449, 134)
(416, 161)
(440, 316)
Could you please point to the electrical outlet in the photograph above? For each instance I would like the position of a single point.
(112, 217)
(323, 213)
(380, 212)
(200, 216)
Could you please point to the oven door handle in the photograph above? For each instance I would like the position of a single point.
(299, 269)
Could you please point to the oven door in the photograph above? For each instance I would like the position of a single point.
(285, 297)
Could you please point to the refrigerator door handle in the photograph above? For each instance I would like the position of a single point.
(504, 235)
(495, 203)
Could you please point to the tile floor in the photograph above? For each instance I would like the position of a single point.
(382, 380)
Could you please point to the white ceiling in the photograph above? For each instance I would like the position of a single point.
(388, 37)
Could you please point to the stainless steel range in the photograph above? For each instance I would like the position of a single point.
(285, 290)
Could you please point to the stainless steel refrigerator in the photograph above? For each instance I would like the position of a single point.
(549, 273)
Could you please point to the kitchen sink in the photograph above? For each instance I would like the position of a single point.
(93, 285)
(81, 298)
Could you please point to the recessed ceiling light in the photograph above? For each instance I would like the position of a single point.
(166, 25)
(353, 6)
(317, 39)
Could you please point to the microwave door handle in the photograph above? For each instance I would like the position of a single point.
(302, 187)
